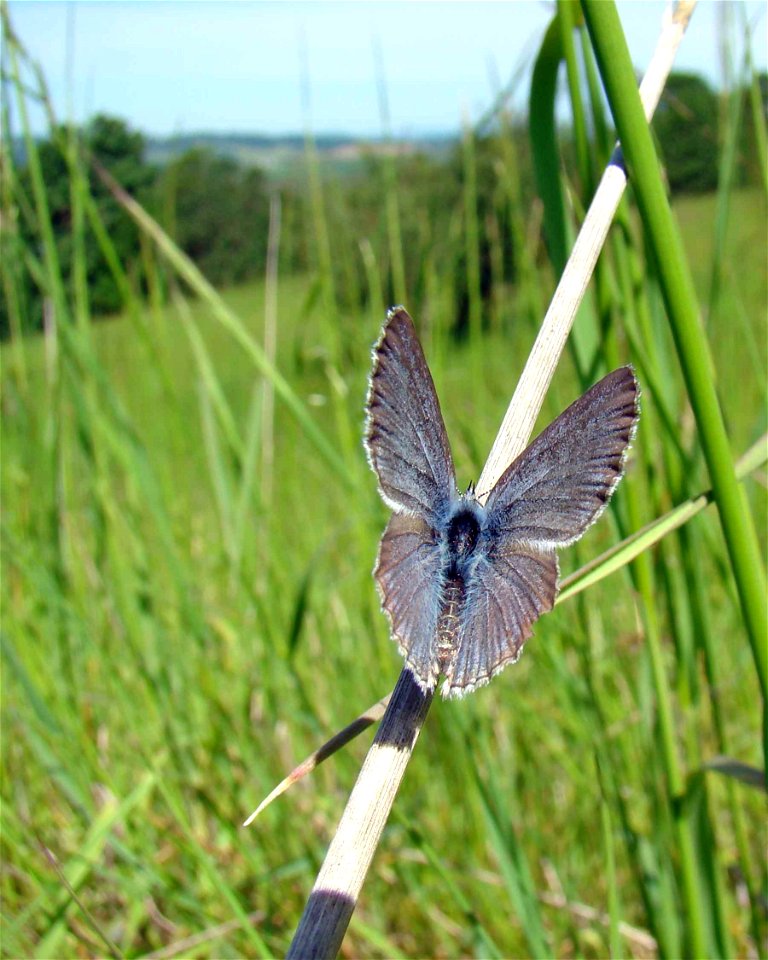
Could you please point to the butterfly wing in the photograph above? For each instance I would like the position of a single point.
(562, 482)
(545, 499)
(511, 586)
(405, 435)
(408, 576)
(408, 448)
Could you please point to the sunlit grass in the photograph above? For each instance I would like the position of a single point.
(218, 706)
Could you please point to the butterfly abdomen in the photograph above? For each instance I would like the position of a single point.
(448, 622)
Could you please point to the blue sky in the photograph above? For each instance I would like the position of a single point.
(175, 67)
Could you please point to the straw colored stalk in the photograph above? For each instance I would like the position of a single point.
(334, 896)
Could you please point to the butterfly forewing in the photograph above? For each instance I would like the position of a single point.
(405, 436)
(546, 498)
(560, 484)
(409, 580)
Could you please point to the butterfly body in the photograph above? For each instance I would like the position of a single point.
(462, 581)
(461, 537)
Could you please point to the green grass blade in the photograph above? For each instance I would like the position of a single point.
(682, 309)
(94, 845)
(191, 275)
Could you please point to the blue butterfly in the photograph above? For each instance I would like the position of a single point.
(463, 582)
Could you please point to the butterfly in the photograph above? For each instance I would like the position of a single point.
(462, 582)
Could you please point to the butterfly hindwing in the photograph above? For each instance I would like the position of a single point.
(405, 434)
(510, 587)
(408, 574)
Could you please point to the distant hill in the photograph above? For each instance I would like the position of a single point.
(283, 156)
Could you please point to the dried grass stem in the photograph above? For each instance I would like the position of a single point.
(330, 906)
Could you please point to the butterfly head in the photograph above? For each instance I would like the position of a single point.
(462, 534)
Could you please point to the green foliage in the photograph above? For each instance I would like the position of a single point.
(686, 126)
(217, 210)
(753, 160)
(691, 123)
(111, 143)
(120, 150)
(431, 197)
(188, 531)
(218, 213)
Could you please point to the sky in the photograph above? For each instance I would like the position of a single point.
(171, 67)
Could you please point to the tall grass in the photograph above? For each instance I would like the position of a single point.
(185, 616)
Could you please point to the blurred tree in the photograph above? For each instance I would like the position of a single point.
(217, 209)
(119, 150)
(429, 190)
(750, 158)
(686, 125)
(218, 212)
(493, 207)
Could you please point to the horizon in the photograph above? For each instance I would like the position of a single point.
(358, 71)
(341, 135)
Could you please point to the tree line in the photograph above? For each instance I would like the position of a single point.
(217, 210)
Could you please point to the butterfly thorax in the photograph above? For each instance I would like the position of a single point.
(461, 536)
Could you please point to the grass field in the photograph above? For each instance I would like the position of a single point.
(188, 534)
(175, 638)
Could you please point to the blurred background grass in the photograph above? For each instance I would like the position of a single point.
(187, 601)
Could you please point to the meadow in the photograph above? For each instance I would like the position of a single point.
(189, 527)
